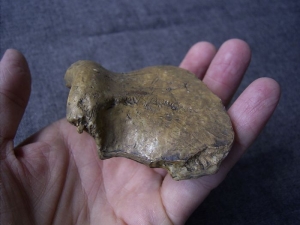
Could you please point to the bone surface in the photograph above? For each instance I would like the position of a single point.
(160, 116)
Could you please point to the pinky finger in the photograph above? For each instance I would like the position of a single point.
(250, 113)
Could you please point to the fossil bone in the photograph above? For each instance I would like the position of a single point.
(160, 116)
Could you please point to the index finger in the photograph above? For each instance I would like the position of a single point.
(14, 93)
(227, 69)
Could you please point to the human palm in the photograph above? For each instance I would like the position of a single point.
(55, 176)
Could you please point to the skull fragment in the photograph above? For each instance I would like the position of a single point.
(160, 116)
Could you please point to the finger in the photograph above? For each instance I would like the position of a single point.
(198, 58)
(227, 69)
(14, 92)
(249, 114)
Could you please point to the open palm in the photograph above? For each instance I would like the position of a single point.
(55, 176)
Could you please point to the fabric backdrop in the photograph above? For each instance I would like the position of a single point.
(263, 188)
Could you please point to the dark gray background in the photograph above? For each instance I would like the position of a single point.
(264, 187)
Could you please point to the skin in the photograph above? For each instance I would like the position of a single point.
(47, 179)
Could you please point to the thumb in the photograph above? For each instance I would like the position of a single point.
(15, 85)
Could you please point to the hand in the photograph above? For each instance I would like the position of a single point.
(55, 176)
